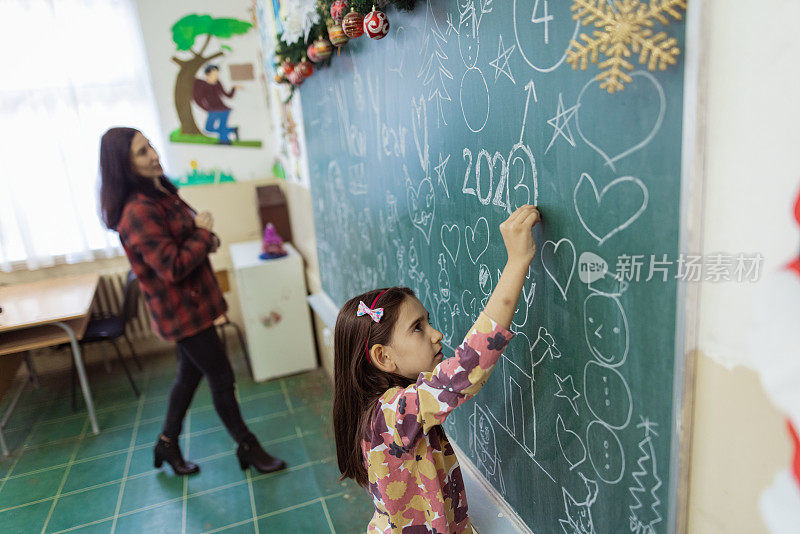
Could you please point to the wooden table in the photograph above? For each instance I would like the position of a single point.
(47, 313)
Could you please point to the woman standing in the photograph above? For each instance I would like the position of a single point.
(168, 247)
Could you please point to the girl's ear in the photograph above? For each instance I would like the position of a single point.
(380, 357)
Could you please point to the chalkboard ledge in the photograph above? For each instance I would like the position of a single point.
(488, 511)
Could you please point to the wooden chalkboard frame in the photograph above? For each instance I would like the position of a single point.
(690, 240)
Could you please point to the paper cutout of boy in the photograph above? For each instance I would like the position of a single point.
(207, 94)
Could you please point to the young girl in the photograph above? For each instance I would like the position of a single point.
(393, 390)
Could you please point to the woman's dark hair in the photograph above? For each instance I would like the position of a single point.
(117, 179)
(357, 383)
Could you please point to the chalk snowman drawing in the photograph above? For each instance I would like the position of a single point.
(579, 514)
(484, 445)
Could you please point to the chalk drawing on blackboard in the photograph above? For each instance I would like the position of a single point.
(559, 266)
(484, 445)
(450, 235)
(519, 405)
(444, 279)
(471, 14)
(476, 238)
(440, 173)
(400, 256)
(543, 347)
(413, 266)
(433, 70)
(605, 452)
(382, 264)
(579, 514)
(537, 24)
(515, 158)
(594, 84)
(500, 63)
(530, 88)
(397, 57)
(572, 448)
(469, 304)
(445, 317)
(566, 390)
(392, 218)
(522, 312)
(451, 428)
(605, 328)
(644, 513)
(476, 110)
(421, 206)
(485, 281)
(560, 123)
(607, 394)
(602, 224)
(419, 126)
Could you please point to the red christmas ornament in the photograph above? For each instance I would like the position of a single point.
(311, 52)
(337, 35)
(376, 24)
(323, 48)
(306, 68)
(338, 9)
(288, 68)
(296, 78)
(353, 24)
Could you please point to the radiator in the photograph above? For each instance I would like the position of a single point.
(108, 300)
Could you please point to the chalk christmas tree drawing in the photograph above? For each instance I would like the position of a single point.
(625, 29)
(644, 512)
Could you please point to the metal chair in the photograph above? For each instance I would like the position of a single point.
(112, 327)
(222, 321)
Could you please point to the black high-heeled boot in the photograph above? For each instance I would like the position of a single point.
(250, 453)
(170, 452)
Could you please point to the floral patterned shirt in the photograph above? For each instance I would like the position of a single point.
(414, 476)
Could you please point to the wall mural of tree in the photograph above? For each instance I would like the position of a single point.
(211, 32)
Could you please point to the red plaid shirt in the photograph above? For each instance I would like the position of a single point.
(169, 255)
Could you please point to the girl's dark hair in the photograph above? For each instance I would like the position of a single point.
(117, 179)
(357, 383)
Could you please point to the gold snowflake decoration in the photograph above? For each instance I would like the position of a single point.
(625, 29)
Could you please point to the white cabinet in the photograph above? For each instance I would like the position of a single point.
(277, 319)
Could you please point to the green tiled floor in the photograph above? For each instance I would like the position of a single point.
(61, 478)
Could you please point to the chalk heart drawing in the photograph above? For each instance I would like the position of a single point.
(477, 239)
(422, 206)
(607, 394)
(609, 211)
(558, 260)
(570, 443)
(605, 452)
(633, 130)
(605, 327)
(451, 240)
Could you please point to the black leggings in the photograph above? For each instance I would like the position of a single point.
(198, 355)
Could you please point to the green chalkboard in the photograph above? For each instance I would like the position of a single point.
(419, 145)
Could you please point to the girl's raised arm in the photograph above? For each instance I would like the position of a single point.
(518, 237)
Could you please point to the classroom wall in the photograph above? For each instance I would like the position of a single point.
(752, 178)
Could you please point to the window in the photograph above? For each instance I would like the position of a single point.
(72, 69)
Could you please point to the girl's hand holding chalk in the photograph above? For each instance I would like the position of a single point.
(517, 235)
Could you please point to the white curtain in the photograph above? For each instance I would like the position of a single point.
(70, 70)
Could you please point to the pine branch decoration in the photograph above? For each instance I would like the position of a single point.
(625, 29)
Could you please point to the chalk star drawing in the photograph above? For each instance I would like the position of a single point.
(440, 172)
(560, 123)
(503, 54)
(566, 390)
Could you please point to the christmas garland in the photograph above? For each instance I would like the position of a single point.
(338, 22)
